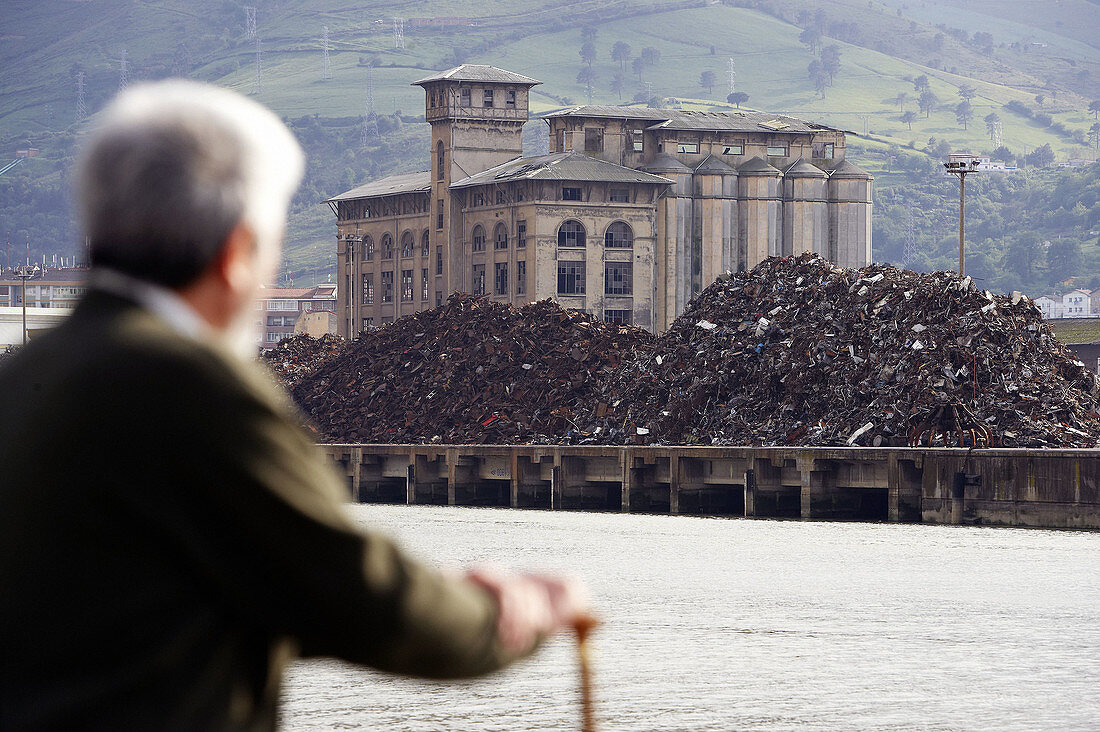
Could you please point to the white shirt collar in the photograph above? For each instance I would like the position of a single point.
(162, 302)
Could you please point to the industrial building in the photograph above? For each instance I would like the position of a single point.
(634, 211)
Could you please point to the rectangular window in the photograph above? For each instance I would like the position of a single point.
(424, 284)
(271, 304)
(623, 317)
(439, 260)
(500, 278)
(406, 285)
(619, 195)
(368, 323)
(688, 148)
(777, 151)
(438, 298)
(387, 287)
(479, 198)
(368, 289)
(477, 285)
(521, 277)
(273, 337)
(521, 234)
(737, 148)
(464, 97)
(618, 278)
(570, 278)
(822, 150)
(478, 239)
(501, 198)
(593, 139)
(439, 214)
(571, 194)
(487, 98)
(637, 140)
(510, 99)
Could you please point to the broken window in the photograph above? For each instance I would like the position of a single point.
(368, 323)
(439, 214)
(618, 278)
(424, 284)
(624, 317)
(478, 238)
(521, 234)
(570, 278)
(571, 194)
(407, 245)
(510, 99)
(571, 234)
(501, 196)
(637, 140)
(777, 151)
(593, 139)
(521, 278)
(387, 287)
(487, 98)
(387, 246)
(439, 157)
(500, 237)
(619, 195)
(619, 236)
(500, 278)
(439, 260)
(406, 285)
(464, 97)
(822, 150)
(479, 199)
(477, 285)
(368, 247)
(368, 289)
(734, 148)
(688, 148)
(425, 245)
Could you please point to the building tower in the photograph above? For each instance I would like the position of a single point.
(849, 195)
(477, 115)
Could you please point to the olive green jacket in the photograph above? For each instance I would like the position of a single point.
(170, 539)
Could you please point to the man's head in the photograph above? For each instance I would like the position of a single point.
(177, 175)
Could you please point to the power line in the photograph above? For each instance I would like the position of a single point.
(732, 76)
(123, 71)
(399, 33)
(370, 118)
(257, 79)
(81, 106)
(910, 252)
(326, 70)
(249, 22)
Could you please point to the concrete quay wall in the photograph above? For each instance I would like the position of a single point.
(999, 487)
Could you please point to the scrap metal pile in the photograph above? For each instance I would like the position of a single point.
(797, 351)
(471, 370)
(300, 355)
(802, 352)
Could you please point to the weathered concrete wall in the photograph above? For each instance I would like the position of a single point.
(1036, 488)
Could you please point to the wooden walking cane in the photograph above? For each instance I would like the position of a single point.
(583, 626)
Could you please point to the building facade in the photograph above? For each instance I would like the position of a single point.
(632, 213)
(285, 311)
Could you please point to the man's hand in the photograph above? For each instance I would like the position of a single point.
(530, 605)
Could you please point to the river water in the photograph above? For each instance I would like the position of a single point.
(730, 624)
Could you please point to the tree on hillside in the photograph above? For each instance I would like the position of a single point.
(1063, 259)
(927, 102)
(650, 56)
(1039, 99)
(967, 92)
(621, 52)
(920, 83)
(908, 118)
(901, 99)
(830, 61)
(737, 99)
(707, 80)
(1094, 107)
(811, 37)
(587, 76)
(1022, 255)
(588, 52)
(618, 83)
(1003, 154)
(638, 67)
(588, 34)
(1094, 135)
(1041, 157)
(991, 121)
(964, 113)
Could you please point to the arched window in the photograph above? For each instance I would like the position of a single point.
(425, 245)
(619, 235)
(368, 247)
(500, 237)
(571, 234)
(478, 238)
(439, 160)
(407, 244)
(387, 246)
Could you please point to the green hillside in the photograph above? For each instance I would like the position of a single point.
(884, 48)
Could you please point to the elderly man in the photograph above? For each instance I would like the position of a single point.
(169, 539)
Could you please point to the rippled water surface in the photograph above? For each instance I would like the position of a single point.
(727, 624)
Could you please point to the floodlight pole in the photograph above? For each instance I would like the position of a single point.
(961, 169)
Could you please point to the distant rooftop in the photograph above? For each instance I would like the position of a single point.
(479, 72)
(388, 186)
(678, 119)
(560, 166)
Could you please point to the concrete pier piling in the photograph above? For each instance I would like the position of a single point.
(1004, 487)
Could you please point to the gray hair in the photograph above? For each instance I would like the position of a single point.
(172, 167)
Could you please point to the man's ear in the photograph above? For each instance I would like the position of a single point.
(236, 261)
